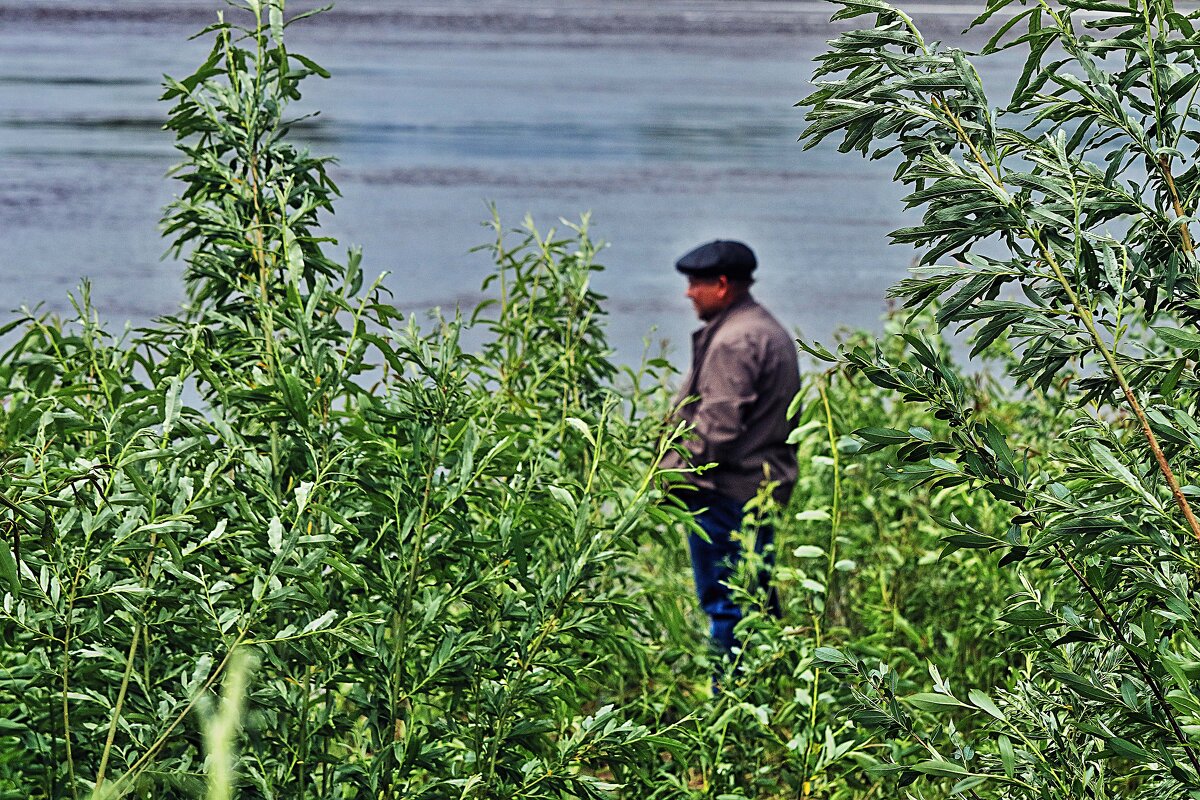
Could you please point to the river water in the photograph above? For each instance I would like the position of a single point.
(672, 123)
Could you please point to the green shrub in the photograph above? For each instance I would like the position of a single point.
(417, 544)
(412, 570)
(1087, 183)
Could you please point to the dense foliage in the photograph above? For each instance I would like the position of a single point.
(415, 545)
(292, 543)
(1061, 229)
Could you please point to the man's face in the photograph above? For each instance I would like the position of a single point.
(709, 296)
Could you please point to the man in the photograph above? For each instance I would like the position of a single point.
(744, 375)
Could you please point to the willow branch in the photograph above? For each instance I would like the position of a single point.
(1085, 315)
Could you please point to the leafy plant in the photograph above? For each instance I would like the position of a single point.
(1087, 181)
(416, 544)
(425, 572)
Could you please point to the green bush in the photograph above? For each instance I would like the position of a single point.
(418, 545)
(1086, 182)
(289, 543)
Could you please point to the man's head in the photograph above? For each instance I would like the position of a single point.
(718, 274)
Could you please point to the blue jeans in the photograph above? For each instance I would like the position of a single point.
(714, 562)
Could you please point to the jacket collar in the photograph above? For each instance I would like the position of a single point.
(700, 339)
(745, 301)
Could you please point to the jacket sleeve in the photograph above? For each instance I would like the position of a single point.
(726, 389)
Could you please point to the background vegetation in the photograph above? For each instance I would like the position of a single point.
(293, 544)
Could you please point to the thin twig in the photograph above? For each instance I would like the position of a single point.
(129, 658)
(1085, 315)
(153, 749)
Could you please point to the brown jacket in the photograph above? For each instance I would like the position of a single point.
(744, 375)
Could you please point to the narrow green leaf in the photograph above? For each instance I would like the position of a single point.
(982, 701)
(275, 535)
(941, 769)
(933, 701)
(8, 566)
(830, 655)
(1029, 617)
(1179, 339)
(1008, 756)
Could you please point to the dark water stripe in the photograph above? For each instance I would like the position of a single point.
(73, 80)
(122, 123)
(660, 19)
(610, 180)
(687, 141)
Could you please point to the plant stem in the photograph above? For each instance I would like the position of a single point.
(1164, 167)
(836, 511)
(129, 658)
(835, 516)
(66, 676)
(153, 749)
(1085, 316)
(1151, 681)
(1131, 400)
(112, 726)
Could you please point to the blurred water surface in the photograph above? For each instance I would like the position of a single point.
(671, 123)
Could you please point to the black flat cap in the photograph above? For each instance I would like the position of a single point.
(731, 259)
